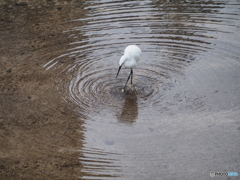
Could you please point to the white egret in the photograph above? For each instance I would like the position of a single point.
(129, 59)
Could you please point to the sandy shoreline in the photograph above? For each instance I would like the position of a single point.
(39, 134)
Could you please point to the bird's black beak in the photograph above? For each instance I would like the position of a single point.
(118, 70)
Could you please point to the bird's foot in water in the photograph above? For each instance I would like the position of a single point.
(129, 89)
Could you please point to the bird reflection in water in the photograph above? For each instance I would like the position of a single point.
(129, 111)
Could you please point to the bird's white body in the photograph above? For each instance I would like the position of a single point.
(129, 60)
(131, 56)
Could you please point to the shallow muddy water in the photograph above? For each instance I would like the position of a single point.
(187, 84)
(182, 121)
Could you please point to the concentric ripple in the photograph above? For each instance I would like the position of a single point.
(172, 36)
(189, 64)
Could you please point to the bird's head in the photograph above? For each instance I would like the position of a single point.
(122, 60)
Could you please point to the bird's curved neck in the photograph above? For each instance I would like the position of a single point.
(123, 59)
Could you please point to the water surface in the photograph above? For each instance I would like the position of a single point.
(183, 120)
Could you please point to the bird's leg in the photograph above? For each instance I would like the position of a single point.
(131, 76)
(128, 79)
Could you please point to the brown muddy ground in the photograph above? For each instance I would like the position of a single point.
(39, 134)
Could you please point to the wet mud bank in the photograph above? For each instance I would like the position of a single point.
(39, 134)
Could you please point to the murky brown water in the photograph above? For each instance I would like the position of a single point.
(187, 77)
(183, 120)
